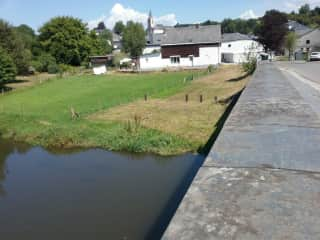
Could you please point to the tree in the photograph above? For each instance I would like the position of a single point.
(66, 39)
(134, 39)
(305, 9)
(119, 28)
(27, 35)
(290, 43)
(101, 26)
(15, 47)
(273, 30)
(100, 44)
(7, 67)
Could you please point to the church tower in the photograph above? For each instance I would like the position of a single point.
(150, 29)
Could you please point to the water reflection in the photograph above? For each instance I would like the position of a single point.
(89, 194)
(7, 148)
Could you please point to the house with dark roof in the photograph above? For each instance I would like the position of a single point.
(298, 28)
(238, 48)
(191, 46)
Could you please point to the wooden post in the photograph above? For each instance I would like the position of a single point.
(187, 98)
(215, 99)
(145, 97)
(201, 98)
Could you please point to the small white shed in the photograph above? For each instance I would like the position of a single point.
(99, 64)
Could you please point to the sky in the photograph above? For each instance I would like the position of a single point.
(167, 12)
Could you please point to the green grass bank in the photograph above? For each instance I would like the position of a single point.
(41, 114)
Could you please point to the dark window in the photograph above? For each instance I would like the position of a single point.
(308, 41)
(229, 45)
(175, 60)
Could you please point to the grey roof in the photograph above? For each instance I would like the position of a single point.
(229, 37)
(192, 35)
(156, 39)
(298, 28)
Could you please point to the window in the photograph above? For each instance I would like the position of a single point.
(308, 42)
(191, 58)
(229, 45)
(175, 60)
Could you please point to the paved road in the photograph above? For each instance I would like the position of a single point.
(262, 177)
(310, 70)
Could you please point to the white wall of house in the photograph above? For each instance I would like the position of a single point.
(151, 62)
(207, 56)
(237, 51)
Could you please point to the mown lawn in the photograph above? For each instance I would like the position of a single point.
(41, 114)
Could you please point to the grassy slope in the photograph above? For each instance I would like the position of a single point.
(41, 114)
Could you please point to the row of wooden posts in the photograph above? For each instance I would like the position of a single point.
(201, 98)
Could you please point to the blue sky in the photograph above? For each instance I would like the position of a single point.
(35, 12)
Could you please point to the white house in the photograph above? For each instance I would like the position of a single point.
(191, 46)
(238, 48)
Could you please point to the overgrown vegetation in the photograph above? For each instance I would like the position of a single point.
(250, 66)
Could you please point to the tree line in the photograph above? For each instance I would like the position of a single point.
(60, 43)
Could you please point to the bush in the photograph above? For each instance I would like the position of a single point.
(250, 66)
(117, 58)
(210, 68)
(53, 68)
(8, 69)
(41, 64)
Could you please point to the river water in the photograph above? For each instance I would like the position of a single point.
(89, 194)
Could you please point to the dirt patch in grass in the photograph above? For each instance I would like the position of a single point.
(192, 120)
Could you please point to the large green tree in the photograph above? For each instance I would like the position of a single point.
(101, 44)
(14, 45)
(66, 39)
(7, 68)
(27, 35)
(273, 30)
(119, 27)
(134, 39)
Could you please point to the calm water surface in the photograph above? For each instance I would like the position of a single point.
(88, 194)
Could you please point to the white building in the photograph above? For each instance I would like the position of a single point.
(191, 46)
(238, 48)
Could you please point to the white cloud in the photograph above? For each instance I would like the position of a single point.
(294, 5)
(121, 13)
(249, 14)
